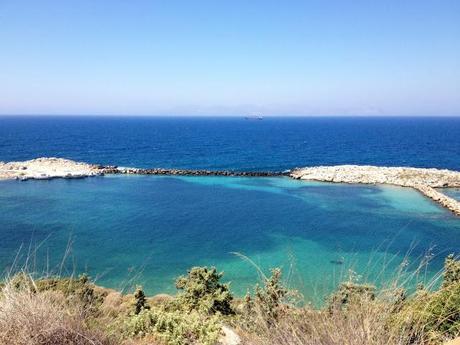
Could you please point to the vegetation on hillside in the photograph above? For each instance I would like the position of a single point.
(53, 311)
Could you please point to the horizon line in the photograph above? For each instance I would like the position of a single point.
(227, 116)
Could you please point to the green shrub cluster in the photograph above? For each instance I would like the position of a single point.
(436, 314)
(202, 291)
(350, 292)
(194, 316)
(175, 327)
(269, 298)
(451, 271)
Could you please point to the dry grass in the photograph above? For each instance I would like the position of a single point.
(45, 318)
(69, 311)
(362, 315)
(362, 323)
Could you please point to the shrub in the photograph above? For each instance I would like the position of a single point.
(202, 291)
(436, 314)
(79, 291)
(192, 317)
(269, 298)
(140, 301)
(451, 271)
(350, 292)
(175, 327)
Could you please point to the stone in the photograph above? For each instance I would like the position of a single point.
(229, 337)
(47, 168)
(421, 179)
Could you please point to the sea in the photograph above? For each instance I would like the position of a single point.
(126, 231)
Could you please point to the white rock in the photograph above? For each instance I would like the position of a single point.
(229, 337)
(423, 180)
(47, 168)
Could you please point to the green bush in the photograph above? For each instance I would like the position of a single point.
(269, 298)
(351, 292)
(140, 301)
(202, 291)
(451, 271)
(192, 317)
(175, 327)
(80, 290)
(436, 314)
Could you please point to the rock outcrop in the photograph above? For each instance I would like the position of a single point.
(423, 180)
(399, 176)
(47, 168)
(229, 336)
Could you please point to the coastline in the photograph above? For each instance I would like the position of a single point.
(424, 180)
(45, 168)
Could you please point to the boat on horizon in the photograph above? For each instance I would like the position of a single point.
(254, 117)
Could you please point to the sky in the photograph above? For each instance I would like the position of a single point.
(234, 57)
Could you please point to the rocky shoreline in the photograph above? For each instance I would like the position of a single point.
(421, 179)
(398, 176)
(45, 168)
(442, 199)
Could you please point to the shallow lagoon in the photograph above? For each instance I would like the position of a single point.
(150, 229)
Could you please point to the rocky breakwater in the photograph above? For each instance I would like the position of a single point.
(188, 172)
(442, 199)
(47, 168)
(423, 180)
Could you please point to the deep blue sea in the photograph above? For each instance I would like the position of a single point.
(235, 143)
(128, 230)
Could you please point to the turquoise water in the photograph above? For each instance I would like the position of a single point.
(149, 229)
(452, 192)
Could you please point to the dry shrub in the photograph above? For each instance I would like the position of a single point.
(115, 304)
(362, 323)
(28, 317)
(354, 315)
(360, 314)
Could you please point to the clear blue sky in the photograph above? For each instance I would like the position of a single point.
(196, 57)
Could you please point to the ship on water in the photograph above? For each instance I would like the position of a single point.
(254, 117)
